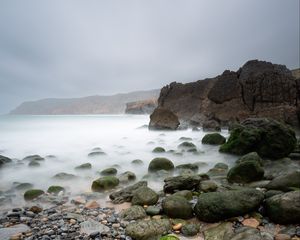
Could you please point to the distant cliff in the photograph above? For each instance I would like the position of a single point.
(257, 89)
(141, 107)
(114, 104)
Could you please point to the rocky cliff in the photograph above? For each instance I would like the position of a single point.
(114, 104)
(141, 107)
(257, 89)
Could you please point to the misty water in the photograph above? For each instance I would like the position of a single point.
(71, 138)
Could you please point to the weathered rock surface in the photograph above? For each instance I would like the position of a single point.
(257, 89)
(157, 164)
(267, 137)
(284, 208)
(286, 182)
(141, 107)
(163, 119)
(178, 183)
(148, 229)
(177, 207)
(105, 183)
(144, 196)
(133, 213)
(126, 194)
(216, 206)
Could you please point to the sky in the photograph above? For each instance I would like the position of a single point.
(75, 48)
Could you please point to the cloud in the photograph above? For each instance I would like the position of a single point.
(76, 48)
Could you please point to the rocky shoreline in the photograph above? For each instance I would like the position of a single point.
(256, 199)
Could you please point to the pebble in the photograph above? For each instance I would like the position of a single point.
(251, 222)
(177, 226)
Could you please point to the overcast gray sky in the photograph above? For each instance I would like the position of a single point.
(75, 48)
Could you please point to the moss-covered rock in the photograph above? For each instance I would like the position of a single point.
(157, 164)
(285, 182)
(32, 194)
(109, 171)
(169, 237)
(187, 145)
(190, 229)
(208, 186)
(213, 139)
(144, 196)
(127, 176)
(216, 206)
(267, 137)
(105, 183)
(158, 150)
(177, 207)
(55, 189)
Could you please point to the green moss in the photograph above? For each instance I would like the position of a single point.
(55, 189)
(105, 183)
(32, 194)
(213, 139)
(160, 164)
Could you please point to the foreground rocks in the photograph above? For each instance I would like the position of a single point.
(216, 206)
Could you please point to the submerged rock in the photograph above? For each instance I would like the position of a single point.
(177, 207)
(96, 153)
(127, 177)
(187, 145)
(216, 206)
(157, 164)
(126, 194)
(148, 229)
(137, 162)
(34, 163)
(34, 158)
(64, 176)
(163, 119)
(23, 186)
(109, 172)
(158, 150)
(144, 196)
(267, 137)
(55, 189)
(32, 194)
(284, 208)
(105, 183)
(213, 139)
(84, 166)
(4, 160)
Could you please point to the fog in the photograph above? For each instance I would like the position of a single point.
(71, 138)
(77, 48)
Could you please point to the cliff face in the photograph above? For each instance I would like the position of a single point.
(114, 104)
(258, 89)
(141, 107)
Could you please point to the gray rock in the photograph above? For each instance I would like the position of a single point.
(6, 233)
(285, 182)
(133, 213)
(144, 196)
(91, 226)
(177, 207)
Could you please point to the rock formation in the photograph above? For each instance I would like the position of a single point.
(257, 89)
(141, 107)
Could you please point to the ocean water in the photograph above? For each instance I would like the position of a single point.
(71, 138)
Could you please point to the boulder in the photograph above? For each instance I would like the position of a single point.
(187, 145)
(34, 163)
(153, 210)
(33, 158)
(32, 194)
(157, 164)
(148, 229)
(248, 169)
(216, 206)
(284, 208)
(267, 137)
(144, 196)
(184, 193)
(55, 189)
(208, 186)
(191, 166)
(4, 160)
(137, 162)
(96, 153)
(178, 183)
(177, 207)
(23, 186)
(158, 150)
(218, 232)
(109, 172)
(84, 166)
(190, 229)
(126, 194)
(126, 177)
(133, 213)
(64, 176)
(285, 182)
(163, 119)
(213, 139)
(246, 233)
(105, 183)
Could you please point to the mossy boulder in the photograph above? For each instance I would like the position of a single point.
(192, 166)
(213, 139)
(248, 169)
(55, 189)
(190, 229)
(208, 186)
(184, 193)
(187, 145)
(144, 196)
(177, 207)
(169, 237)
(158, 150)
(217, 206)
(157, 164)
(267, 137)
(127, 176)
(105, 183)
(109, 171)
(286, 182)
(32, 194)
(84, 166)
